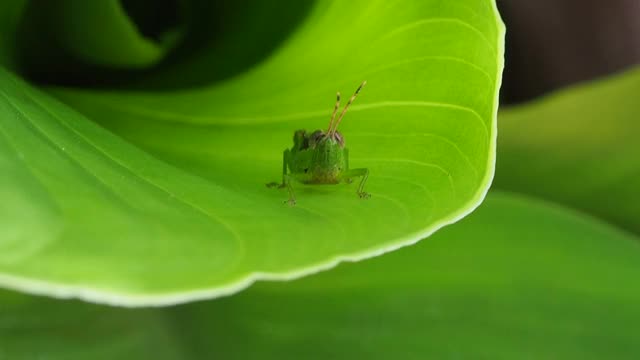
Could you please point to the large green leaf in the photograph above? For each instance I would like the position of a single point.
(578, 147)
(104, 221)
(495, 286)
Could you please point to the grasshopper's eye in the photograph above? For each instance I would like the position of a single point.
(306, 170)
(315, 137)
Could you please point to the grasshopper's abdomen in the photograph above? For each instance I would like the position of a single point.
(321, 176)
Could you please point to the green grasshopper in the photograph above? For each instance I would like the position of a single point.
(320, 158)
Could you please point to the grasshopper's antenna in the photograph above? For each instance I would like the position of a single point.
(335, 110)
(335, 127)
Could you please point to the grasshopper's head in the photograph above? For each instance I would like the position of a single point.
(321, 138)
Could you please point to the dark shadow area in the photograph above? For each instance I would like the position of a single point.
(154, 19)
(226, 38)
(220, 39)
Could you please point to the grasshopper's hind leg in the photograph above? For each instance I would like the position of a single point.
(364, 173)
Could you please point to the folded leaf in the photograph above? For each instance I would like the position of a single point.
(108, 222)
(96, 32)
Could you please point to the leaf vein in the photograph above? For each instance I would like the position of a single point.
(122, 165)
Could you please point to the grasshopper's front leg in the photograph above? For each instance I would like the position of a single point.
(292, 197)
(285, 161)
(364, 173)
(286, 179)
